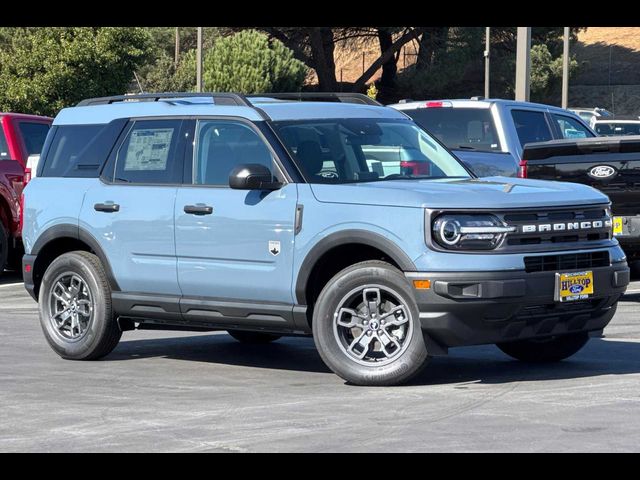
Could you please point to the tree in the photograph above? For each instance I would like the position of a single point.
(45, 69)
(248, 62)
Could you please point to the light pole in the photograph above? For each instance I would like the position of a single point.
(523, 64)
(487, 60)
(199, 62)
(565, 69)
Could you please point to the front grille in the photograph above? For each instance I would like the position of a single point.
(555, 218)
(574, 261)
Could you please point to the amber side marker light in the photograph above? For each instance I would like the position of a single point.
(422, 284)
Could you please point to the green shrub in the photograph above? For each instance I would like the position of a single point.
(248, 62)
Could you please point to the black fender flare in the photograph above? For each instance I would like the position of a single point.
(74, 231)
(345, 237)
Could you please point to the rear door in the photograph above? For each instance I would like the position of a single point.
(130, 211)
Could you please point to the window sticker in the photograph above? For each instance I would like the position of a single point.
(148, 149)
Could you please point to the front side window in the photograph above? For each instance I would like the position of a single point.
(356, 150)
(222, 145)
(34, 135)
(150, 153)
(570, 127)
(531, 126)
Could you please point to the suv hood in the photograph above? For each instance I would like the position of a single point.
(490, 193)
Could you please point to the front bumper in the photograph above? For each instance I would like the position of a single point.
(473, 308)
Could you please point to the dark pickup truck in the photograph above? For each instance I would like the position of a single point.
(611, 164)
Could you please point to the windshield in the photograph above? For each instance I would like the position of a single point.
(356, 150)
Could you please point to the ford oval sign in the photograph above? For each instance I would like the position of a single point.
(602, 171)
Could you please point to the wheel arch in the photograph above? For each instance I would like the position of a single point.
(340, 240)
(61, 239)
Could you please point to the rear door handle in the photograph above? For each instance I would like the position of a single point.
(198, 209)
(106, 207)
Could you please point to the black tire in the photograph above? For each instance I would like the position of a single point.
(102, 333)
(14, 261)
(332, 339)
(549, 349)
(4, 247)
(254, 338)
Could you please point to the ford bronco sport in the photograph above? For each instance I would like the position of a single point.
(342, 219)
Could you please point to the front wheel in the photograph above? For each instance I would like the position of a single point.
(549, 349)
(366, 326)
(75, 308)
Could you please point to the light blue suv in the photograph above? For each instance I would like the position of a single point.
(342, 219)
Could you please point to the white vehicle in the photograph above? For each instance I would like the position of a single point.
(610, 127)
(588, 114)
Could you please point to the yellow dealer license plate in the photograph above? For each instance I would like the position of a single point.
(574, 286)
(617, 225)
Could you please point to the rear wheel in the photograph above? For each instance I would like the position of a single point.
(366, 326)
(549, 349)
(75, 308)
(253, 337)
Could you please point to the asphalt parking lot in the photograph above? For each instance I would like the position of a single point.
(168, 391)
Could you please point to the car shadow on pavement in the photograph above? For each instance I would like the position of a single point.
(9, 277)
(481, 364)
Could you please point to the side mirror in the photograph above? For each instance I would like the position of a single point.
(252, 176)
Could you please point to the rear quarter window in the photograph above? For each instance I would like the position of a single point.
(80, 150)
(459, 128)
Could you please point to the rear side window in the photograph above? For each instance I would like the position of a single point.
(459, 128)
(531, 126)
(570, 127)
(34, 135)
(4, 148)
(151, 154)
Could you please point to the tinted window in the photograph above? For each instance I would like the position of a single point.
(531, 126)
(221, 146)
(68, 148)
(4, 148)
(571, 128)
(34, 135)
(365, 150)
(459, 128)
(612, 129)
(150, 153)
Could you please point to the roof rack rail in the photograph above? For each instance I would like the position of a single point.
(321, 97)
(236, 99)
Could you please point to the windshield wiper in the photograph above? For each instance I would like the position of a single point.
(465, 147)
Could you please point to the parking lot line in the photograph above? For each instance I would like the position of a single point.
(10, 284)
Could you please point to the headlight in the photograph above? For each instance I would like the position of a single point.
(469, 232)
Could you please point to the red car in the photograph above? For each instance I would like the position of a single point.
(20, 136)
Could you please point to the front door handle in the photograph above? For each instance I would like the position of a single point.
(106, 207)
(198, 209)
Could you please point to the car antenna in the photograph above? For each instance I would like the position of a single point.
(138, 82)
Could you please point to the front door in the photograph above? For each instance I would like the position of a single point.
(235, 246)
